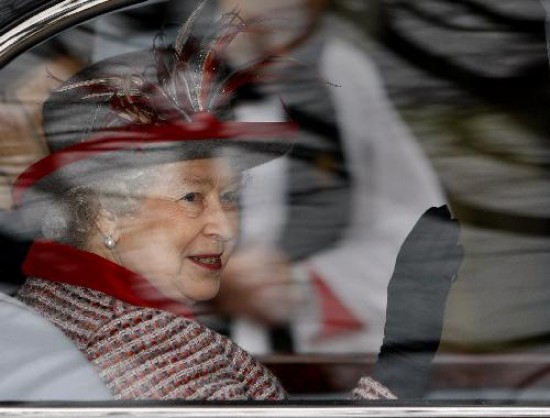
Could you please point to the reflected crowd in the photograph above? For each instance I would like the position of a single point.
(363, 115)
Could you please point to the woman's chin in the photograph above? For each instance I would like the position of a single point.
(202, 293)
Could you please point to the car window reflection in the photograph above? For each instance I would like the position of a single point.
(262, 200)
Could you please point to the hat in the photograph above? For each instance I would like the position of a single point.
(149, 107)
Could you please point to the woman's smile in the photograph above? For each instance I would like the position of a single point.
(208, 261)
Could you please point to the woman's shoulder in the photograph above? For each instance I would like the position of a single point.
(77, 311)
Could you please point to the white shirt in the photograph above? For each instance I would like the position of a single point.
(38, 363)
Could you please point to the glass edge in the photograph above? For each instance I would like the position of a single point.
(51, 20)
(303, 411)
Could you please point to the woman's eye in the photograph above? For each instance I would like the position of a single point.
(192, 203)
(191, 198)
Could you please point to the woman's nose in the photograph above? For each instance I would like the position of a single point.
(220, 224)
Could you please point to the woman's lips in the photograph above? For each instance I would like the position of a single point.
(207, 261)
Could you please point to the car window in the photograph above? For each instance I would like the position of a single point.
(230, 200)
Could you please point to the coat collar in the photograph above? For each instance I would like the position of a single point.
(57, 262)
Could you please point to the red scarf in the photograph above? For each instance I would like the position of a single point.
(57, 262)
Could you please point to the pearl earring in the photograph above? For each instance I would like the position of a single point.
(109, 242)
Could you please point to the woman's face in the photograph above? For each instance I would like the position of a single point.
(184, 230)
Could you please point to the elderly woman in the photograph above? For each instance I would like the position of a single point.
(143, 184)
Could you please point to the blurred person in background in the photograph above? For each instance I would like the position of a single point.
(479, 104)
(24, 85)
(339, 205)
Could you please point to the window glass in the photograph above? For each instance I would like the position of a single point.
(206, 200)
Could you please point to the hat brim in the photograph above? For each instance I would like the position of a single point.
(57, 173)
